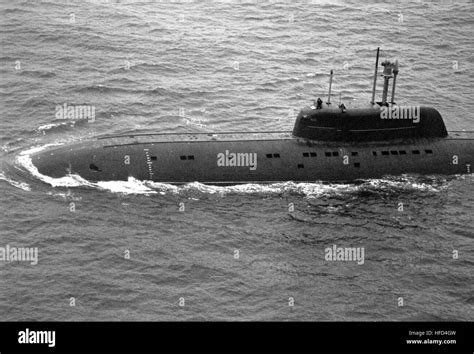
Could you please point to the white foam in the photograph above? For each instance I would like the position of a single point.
(22, 185)
(403, 182)
(132, 186)
(54, 125)
(24, 159)
(311, 190)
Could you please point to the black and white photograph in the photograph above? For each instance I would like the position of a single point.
(236, 164)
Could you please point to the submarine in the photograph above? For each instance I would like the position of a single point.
(329, 142)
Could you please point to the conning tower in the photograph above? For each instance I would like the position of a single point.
(379, 121)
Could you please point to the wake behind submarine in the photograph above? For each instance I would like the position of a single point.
(329, 142)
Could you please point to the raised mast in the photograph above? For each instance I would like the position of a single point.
(388, 71)
(330, 86)
(375, 76)
(395, 73)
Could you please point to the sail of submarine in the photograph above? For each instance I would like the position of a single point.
(329, 142)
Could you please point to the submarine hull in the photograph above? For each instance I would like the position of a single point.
(266, 157)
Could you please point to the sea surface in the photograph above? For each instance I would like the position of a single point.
(137, 250)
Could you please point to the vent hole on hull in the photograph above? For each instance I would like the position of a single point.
(93, 167)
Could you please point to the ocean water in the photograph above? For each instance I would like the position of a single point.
(137, 250)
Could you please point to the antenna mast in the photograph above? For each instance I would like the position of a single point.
(388, 70)
(395, 73)
(375, 76)
(330, 86)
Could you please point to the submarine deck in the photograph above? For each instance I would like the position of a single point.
(152, 138)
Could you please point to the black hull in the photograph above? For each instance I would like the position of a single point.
(279, 157)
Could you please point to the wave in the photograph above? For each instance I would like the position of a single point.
(113, 90)
(22, 185)
(37, 74)
(56, 126)
(8, 58)
(16, 10)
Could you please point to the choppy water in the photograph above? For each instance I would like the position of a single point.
(242, 65)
